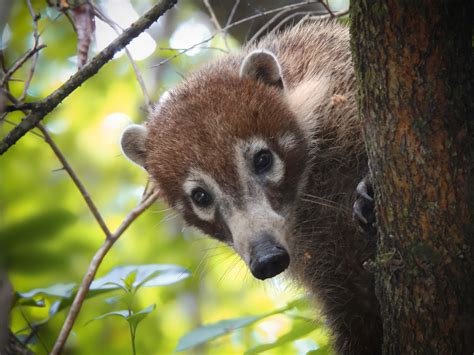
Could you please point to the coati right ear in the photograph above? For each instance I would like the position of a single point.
(262, 65)
(133, 143)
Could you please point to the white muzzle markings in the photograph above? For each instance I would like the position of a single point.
(249, 215)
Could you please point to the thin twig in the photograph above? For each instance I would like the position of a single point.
(34, 61)
(296, 14)
(268, 24)
(92, 270)
(21, 106)
(183, 49)
(247, 19)
(232, 13)
(118, 29)
(328, 9)
(14, 124)
(87, 71)
(216, 22)
(19, 62)
(75, 179)
(34, 331)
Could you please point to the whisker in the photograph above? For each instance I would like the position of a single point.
(230, 267)
(324, 203)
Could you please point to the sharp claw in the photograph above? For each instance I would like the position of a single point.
(366, 196)
(362, 190)
(357, 210)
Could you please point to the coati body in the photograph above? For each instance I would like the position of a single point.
(262, 150)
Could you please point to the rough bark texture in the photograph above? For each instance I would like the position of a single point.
(413, 63)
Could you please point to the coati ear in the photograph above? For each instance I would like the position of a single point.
(133, 143)
(262, 65)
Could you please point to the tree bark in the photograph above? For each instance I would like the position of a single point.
(413, 61)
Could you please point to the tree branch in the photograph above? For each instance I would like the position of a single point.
(80, 186)
(92, 270)
(49, 103)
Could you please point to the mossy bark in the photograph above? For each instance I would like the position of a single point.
(413, 61)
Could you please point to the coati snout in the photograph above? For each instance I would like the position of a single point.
(267, 258)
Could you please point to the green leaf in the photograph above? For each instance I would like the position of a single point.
(134, 318)
(123, 314)
(129, 280)
(31, 302)
(324, 350)
(52, 13)
(212, 331)
(35, 229)
(301, 327)
(146, 275)
(57, 290)
(137, 317)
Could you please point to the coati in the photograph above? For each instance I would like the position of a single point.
(263, 150)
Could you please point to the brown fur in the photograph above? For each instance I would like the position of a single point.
(203, 119)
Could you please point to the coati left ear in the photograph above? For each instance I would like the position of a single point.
(262, 65)
(133, 143)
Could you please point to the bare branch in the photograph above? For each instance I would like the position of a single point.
(3, 119)
(216, 22)
(183, 49)
(48, 104)
(20, 61)
(21, 106)
(34, 62)
(75, 179)
(328, 9)
(92, 270)
(239, 22)
(268, 24)
(296, 14)
(232, 13)
(115, 26)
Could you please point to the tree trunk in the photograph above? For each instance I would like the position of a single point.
(413, 63)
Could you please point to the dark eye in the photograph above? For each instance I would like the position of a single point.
(201, 197)
(262, 161)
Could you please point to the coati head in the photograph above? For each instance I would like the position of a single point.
(227, 152)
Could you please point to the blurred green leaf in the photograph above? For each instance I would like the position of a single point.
(150, 275)
(52, 13)
(34, 260)
(58, 290)
(35, 229)
(30, 302)
(324, 350)
(301, 327)
(212, 331)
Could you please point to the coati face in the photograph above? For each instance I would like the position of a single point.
(227, 153)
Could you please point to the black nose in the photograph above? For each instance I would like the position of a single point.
(269, 260)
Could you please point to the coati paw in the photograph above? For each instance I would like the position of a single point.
(363, 210)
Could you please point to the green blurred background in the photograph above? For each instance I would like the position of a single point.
(48, 235)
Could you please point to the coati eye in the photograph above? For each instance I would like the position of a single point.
(262, 161)
(201, 197)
